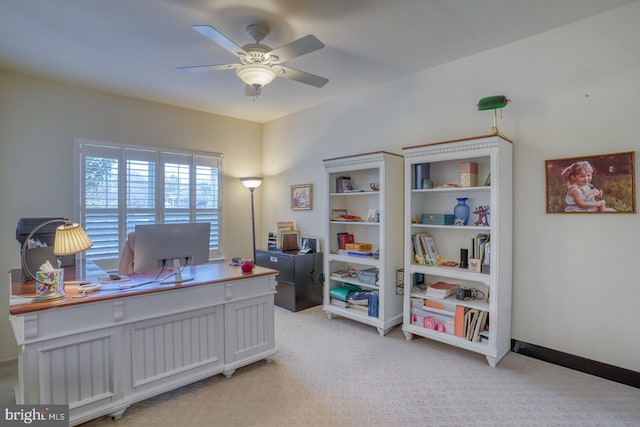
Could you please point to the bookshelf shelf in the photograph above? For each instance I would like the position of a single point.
(452, 189)
(451, 273)
(443, 163)
(356, 222)
(478, 347)
(453, 227)
(385, 234)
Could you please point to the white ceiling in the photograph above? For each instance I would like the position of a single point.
(132, 47)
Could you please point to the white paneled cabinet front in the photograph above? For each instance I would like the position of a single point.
(169, 348)
(103, 356)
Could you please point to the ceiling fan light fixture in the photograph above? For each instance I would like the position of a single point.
(256, 74)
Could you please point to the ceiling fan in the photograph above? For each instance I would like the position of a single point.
(259, 64)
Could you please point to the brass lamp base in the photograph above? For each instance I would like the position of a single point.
(50, 295)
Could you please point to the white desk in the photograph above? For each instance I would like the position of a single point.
(103, 353)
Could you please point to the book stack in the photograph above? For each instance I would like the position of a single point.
(475, 322)
(478, 244)
(441, 290)
(340, 274)
(471, 323)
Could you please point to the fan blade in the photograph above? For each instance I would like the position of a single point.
(200, 68)
(303, 77)
(296, 48)
(212, 34)
(252, 90)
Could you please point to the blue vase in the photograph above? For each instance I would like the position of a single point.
(461, 212)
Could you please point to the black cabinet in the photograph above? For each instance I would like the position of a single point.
(299, 277)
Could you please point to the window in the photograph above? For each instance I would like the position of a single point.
(122, 186)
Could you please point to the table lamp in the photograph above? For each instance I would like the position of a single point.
(494, 103)
(70, 239)
(252, 183)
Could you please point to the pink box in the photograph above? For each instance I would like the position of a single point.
(468, 174)
(469, 167)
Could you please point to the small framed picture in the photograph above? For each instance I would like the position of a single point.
(603, 183)
(301, 197)
(474, 265)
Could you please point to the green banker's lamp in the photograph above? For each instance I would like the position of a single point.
(494, 103)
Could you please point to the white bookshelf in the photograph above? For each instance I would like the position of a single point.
(493, 155)
(385, 235)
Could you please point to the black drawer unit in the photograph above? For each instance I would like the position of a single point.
(299, 277)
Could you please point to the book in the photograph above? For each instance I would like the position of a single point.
(344, 238)
(418, 251)
(360, 254)
(471, 324)
(434, 304)
(339, 274)
(343, 183)
(479, 326)
(440, 290)
(459, 320)
(431, 250)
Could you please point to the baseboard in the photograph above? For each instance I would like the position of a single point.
(598, 369)
(9, 360)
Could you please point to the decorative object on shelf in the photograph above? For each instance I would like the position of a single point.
(461, 212)
(464, 258)
(252, 183)
(494, 103)
(400, 281)
(602, 183)
(247, 265)
(474, 265)
(483, 215)
(70, 239)
(374, 186)
(436, 219)
(468, 174)
(422, 174)
(301, 197)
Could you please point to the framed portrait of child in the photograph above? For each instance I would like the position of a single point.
(602, 183)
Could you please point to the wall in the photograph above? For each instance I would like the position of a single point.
(575, 92)
(38, 123)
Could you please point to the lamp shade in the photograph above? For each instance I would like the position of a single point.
(493, 102)
(70, 239)
(252, 181)
(256, 74)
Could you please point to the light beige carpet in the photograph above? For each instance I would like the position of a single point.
(341, 373)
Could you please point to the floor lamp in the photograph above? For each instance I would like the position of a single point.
(252, 183)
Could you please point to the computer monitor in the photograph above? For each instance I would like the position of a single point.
(158, 244)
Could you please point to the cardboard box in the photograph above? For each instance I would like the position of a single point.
(437, 219)
(468, 174)
(359, 247)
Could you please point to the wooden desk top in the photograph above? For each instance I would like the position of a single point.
(202, 275)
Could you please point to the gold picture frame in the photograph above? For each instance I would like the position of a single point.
(301, 197)
(607, 184)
